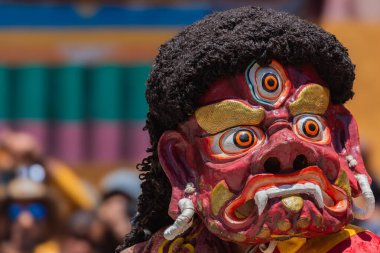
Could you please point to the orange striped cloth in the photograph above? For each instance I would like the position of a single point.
(351, 239)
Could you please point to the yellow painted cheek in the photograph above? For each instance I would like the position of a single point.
(219, 196)
(343, 182)
(313, 99)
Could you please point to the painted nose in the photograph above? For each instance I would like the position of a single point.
(272, 116)
(273, 165)
(285, 153)
(275, 120)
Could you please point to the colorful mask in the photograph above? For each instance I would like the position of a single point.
(269, 155)
(250, 138)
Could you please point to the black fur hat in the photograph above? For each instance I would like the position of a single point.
(220, 45)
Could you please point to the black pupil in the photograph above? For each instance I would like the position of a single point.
(312, 127)
(243, 140)
(271, 82)
(244, 137)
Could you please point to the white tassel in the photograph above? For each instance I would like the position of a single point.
(271, 247)
(352, 163)
(183, 221)
(365, 212)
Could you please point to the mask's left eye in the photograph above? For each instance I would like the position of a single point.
(236, 140)
(312, 128)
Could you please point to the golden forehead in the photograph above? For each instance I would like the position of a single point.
(313, 99)
(217, 117)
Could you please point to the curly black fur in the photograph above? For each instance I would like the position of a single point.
(223, 44)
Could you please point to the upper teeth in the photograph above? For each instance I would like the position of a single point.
(262, 196)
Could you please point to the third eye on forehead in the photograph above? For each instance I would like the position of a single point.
(270, 82)
(229, 113)
(269, 85)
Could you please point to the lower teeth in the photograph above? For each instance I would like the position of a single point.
(293, 203)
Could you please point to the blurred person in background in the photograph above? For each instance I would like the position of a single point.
(30, 218)
(21, 157)
(34, 184)
(78, 236)
(120, 190)
(16, 150)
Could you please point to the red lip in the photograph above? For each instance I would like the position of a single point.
(311, 174)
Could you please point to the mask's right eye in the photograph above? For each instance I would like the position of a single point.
(236, 141)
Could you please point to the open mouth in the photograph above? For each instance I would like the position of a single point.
(291, 188)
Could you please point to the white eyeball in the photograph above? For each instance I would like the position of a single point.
(236, 140)
(311, 128)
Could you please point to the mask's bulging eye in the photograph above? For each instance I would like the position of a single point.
(235, 141)
(311, 128)
(269, 82)
(244, 139)
(269, 85)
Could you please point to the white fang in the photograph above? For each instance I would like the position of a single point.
(261, 197)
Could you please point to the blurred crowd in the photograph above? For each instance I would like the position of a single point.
(46, 208)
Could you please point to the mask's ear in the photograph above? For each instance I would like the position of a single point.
(172, 154)
(347, 143)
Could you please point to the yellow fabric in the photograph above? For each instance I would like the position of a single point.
(176, 242)
(71, 185)
(292, 245)
(321, 244)
(179, 242)
(162, 246)
(189, 247)
(47, 247)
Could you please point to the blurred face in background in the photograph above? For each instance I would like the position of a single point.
(28, 223)
(113, 213)
(77, 236)
(112, 221)
(7, 166)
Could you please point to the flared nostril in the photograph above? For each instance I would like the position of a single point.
(272, 165)
(300, 162)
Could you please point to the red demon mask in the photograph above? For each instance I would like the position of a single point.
(269, 155)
